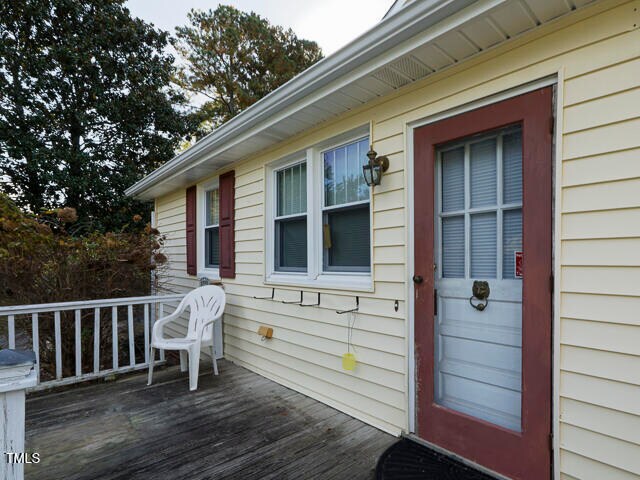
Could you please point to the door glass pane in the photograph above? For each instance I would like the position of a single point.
(291, 244)
(483, 245)
(292, 190)
(512, 166)
(511, 241)
(343, 180)
(453, 247)
(349, 245)
(453, 180)
(478, 353)
(483, 173)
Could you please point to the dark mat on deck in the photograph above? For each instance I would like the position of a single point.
(408, 460)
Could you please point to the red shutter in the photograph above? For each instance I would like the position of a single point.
(192, 251)
(227, 214)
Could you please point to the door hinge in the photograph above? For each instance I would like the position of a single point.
(435, 303)
(551, 284)
(551, 442)
(552, 125)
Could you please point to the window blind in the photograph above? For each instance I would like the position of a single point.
(453, 180)
(512, 167)
(350, 239)
(483, 245)
(483, 173)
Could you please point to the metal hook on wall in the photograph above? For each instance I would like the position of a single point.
(273, 292)
(341, 312)
(298, 302)
(312, 304)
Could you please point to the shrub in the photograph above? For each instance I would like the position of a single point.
(42, 261)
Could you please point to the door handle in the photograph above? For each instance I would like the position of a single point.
(418, 279)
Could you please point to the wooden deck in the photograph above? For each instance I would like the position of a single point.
(238, 425)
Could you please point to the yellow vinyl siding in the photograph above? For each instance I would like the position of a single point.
(595, 53)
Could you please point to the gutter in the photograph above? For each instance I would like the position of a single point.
(391, 31)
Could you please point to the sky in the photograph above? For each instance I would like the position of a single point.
(331, 23)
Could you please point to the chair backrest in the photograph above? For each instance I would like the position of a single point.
(205, 303)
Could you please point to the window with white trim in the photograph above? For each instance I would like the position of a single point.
(291, 218)
(345, 211)
(319, 216)
(212, 229)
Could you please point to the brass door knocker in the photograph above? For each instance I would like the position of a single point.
(480, 292)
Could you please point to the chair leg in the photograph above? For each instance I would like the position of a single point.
(184, 364)
(194, 366)
(214, 361)
(152, 359)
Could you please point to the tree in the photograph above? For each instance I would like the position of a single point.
(235, 58)
(86, 106)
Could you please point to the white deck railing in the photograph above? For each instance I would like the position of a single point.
(152, 307)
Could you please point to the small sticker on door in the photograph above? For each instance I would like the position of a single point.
(519, 260)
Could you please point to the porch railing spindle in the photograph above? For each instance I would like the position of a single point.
(146, 333)
(58, 343)
(160, 315)
(132, 351)
(35, 339)
(96, 340)
(12, 331)
(78, 343)
(114, 335)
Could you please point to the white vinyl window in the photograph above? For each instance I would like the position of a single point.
(208, 229)
(291, 218)
(319, 216)
(345, 211)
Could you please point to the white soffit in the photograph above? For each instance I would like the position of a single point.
(419, 39)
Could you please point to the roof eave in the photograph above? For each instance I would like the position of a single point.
(390, 32)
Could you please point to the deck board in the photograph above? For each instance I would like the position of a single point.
(236, 425)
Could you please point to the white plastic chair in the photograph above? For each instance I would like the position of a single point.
(206, 305)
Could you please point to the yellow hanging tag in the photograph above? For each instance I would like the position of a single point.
(349, 361)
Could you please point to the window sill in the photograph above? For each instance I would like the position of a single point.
(325, 281)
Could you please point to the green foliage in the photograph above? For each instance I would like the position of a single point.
(236, 58)
(40, 262)
(86, 106)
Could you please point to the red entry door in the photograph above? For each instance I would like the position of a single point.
(483, 213)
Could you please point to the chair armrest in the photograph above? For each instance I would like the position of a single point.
(161, 322)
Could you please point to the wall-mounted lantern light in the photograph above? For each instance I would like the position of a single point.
(373, 170)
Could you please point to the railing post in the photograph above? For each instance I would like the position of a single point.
(19, 374)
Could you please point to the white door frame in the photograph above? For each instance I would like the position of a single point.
(557, 79)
